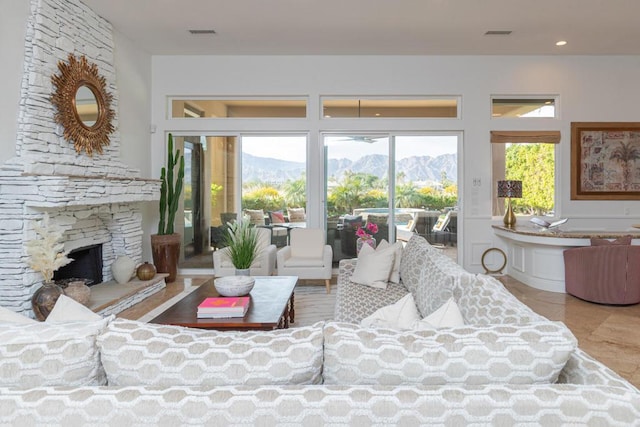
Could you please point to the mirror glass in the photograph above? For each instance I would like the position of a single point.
(87, 106)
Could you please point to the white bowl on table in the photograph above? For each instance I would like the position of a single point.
(234, 286)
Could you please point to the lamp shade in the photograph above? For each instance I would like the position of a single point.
(510, 188)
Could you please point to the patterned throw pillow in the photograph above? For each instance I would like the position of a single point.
(42, 354)
(136, 353)
(412, 261)
(435, 286)
(256, 216)
(533, 353)
(296, 215)
(277, 217)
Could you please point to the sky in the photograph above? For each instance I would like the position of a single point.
(293, 148)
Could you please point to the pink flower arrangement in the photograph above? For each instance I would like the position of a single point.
(367, 232)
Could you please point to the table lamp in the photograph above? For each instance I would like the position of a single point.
(509, 189)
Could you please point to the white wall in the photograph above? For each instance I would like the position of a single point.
(13, 24)
(133, 75)
(592, 88)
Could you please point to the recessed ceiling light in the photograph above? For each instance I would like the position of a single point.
(561, 43)
(202, 31)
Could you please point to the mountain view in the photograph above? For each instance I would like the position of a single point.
(423, 169)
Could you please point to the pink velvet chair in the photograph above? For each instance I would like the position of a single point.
(603, 274)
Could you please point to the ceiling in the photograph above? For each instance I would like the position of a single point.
(377, 27)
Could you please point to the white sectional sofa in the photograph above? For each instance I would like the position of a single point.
(505, 366)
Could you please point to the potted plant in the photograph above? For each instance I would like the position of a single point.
(242, 244)
(165, 245)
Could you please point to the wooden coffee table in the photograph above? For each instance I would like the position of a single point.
(271, 307)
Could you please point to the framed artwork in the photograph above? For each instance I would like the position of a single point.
(605, 160)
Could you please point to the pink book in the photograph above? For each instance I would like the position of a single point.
(224, 305)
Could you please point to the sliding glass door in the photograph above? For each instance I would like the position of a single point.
(401, 183)
(262, 178)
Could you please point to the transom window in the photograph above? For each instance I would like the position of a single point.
(425, 107)
(523, 107)
(238, 108)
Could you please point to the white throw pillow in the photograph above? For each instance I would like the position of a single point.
(69, 310)
(447, 316)
(394, 277)
(11, 316)
(373, 267)
(401, 315)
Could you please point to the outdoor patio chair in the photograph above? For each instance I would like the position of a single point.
(348, 236)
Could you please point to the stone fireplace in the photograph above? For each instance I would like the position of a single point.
(95, 199)
(87, 264)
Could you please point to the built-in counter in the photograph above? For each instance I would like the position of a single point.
(534, 255)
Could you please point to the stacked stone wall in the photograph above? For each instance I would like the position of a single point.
(95, 199)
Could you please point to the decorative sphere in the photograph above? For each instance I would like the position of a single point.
(146, 271)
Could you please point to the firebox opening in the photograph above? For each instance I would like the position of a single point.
(87, 264)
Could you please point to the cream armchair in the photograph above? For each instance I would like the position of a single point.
(264, 264)
(307, 256)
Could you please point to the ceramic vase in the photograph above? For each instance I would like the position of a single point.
(44, 299)
(122, 269)
(243, 272)
(79, 291)
(361, 242)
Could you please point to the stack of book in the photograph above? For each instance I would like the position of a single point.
(219, 307)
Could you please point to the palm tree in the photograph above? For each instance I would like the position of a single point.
(295, 192)
(625, 154)
(407, 195)
(348, 194)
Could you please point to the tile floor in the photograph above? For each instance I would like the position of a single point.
(608, 333)
(611, 334)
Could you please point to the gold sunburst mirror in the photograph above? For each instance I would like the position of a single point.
(83, 105)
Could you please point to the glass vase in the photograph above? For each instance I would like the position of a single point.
(364, 241)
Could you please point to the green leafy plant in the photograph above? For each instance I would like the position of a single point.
(263, 197)
(242, 243)
(170, 190)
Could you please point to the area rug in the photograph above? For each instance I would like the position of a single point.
(312, 304)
